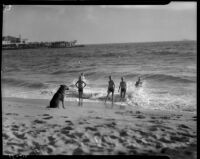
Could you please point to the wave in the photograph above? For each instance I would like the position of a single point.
(93, 75)
(22, 83)
(71, 71)
(59, 72)
(162, 77)
(135, 97)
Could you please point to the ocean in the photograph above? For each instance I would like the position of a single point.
(168, 71)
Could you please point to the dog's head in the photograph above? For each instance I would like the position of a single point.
(64, 87)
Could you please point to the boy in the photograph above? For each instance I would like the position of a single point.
(111, 88)
(122, 86)
(80, 85)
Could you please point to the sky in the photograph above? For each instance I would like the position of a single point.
(95, 24)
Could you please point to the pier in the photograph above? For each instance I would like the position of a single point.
(13, 43)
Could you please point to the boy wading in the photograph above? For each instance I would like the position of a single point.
(111, 88)
(122, 86)
(80, 85)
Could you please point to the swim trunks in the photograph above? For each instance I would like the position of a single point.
(110, 90)
(80, 90)
(123, 90)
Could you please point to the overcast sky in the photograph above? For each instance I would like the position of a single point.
(102, 23)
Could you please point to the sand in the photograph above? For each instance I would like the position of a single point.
(29, 128)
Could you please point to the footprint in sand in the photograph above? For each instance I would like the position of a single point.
(112, 124)
(156, 121)
(64, 116)
(78, 134)
(123, 133)
(45, 115)
(153, 128)
(5, 136)
(39, 121)
(15, 128)
(12, 114)
(80, 122)
(20, 136)
(52, 140)
(95, 117)
(183, 126)
(114, 137)
(98, 117)
(79, 151)
(69, 122)
(188, 134)
(165, 140)
(141, 117)
(48, 118)
(27, 116)
(91, 128)
(164, 150)
(97, 134)
(67, 128)
(138, 112)
(176, 138)
(86, 140)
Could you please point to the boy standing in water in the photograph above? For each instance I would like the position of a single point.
(111, 88)
(122, 86)
(80, 85)
(138, 83)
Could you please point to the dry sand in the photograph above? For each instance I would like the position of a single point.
(95, 129)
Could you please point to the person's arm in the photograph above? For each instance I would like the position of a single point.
(76, 84)
(119, 87)
(84, 84)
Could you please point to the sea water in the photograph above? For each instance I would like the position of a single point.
(167, 70)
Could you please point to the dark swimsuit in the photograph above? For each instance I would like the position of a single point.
(110, 90)
(123, 90)
(80, 90)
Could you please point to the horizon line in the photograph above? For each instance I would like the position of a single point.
(138, 42)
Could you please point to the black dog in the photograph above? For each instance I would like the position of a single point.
(58, 96)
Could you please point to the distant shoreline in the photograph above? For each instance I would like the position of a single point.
(140, 42)
(27, 47)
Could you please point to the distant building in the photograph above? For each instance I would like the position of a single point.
(13, 40)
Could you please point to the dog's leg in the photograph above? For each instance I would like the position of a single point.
(63, 104)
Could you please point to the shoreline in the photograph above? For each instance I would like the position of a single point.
(95, 129)
(96, 102)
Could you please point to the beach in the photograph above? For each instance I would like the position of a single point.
(30, 128)
(58, 54)
(158, 118)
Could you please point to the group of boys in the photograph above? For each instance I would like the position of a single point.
(80, 84)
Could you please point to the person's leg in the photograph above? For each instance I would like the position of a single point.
(124, 93)
(120, 94)
(112, 97)
(81, 97)
(107, 96)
